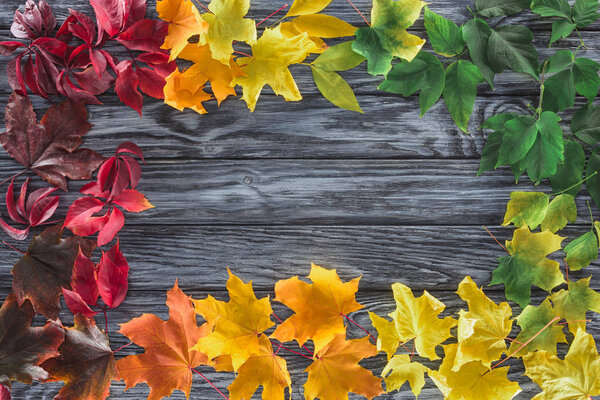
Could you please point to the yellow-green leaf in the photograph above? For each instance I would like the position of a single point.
(323, 26)
(335, 89)
(401, 369)
(526, 209)
(562, 209)
(573, 304)
(582, 251)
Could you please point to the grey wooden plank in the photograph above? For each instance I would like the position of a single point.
(424, 257)
(379, 302)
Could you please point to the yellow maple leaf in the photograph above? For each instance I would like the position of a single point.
(574, 303)
(472, 380)
(482, 330)
(289, 29)
(226, 23)
(184, 91)
(415, 318)
(263, 369)
(272, 54)
(574, 378)
(319, 307)
(335, 371)
(184, 22)
(304, 7)
(237, 323)
(401, 369)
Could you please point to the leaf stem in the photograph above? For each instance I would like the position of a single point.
(494, 237)
(13, 247)
(122, 347)
(209, 382)
(276, 317)
(242, 53)
(575, 185)
(273, 13)
(203, 6)
(13, 177)
(357, 324)
(359, 13)
(294, 351)
(591, 214)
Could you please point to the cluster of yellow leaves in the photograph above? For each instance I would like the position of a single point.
(214, 60)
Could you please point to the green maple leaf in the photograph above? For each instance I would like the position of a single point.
(569, 174)
(572, 304)
(387, 37)
(527, 265)
(562, 209)
(526, 209)
(460, 91)
(582, 251)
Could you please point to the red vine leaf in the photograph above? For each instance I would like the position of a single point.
(4, 393)
(145, 35)
(23, 348)
(37, 20)
(86, 363)
(76, 304)
(45, 268)
(83, 280)
(113, 272)
(50, 148)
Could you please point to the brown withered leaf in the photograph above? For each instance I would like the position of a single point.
(86, 363)
(45, 268)
(49, 148)
(23, 348)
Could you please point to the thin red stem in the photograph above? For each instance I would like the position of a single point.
(209, 382)
(406, 348)
(105, 320)
(278, 348)
(358, 11)
(276, 317)
(357, 324)
(513, 340)
(13, 247)
(294, 351)
(273, 13)
(242, 53)
(203, 6)
(570, 322)
(122, 347)
(13, 177)
(310, 352)
(494, 237)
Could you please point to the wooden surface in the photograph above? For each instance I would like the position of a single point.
(385, 195)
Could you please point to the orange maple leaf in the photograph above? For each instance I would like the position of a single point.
(335, 371)
(237, 323)
(319, 307)
(184, 22)
(166, 365)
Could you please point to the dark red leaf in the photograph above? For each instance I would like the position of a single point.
(121, 179)
(63, 33)
(46, 268)
(88, 80)
(14, 71)
(29, 77)
(8, 47)
(42, 210)
(137, 11)
(84, 279)
(132, 201)
(106, 174)
(98, 61)
(113, 272)
(130, 147)
(160, 63)
(82, 27)
(67, 88)
(17, 234)
(48, 19)
(111, 14)
(151, 82)
(46, 73)
(115, 222)
(23, 348)
(10, 204)
(22, 198)
(52, 46)
(145, 35)
(135, 171)
(35, 21)
(4, 393)
(36, 196)
(93, 189)
(80, 213)
(76, 304)
(126, 86)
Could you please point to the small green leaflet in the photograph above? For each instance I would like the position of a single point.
(587, 80)
(582, 251)
(551, 8)
(476, 33)
(569, 174)
(445, 36)
(500, 8)
(586, 124)
(340, 57)
(460, 91)
(592, 174)
(511, 47)
(570, 76)
(561, 29)
(424, 73)
(519, 135)
(585, 12)
(559, 91)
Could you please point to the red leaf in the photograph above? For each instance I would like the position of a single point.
(37, 20)
(50, 148)
(151, 82)
(9, 47)
(17, 234)
(126, 86)
(52, 46)
(106, 174)
(46, 73)
(36, 196)
(76, 303)
(67, 88)
(14, 71)
(93, 189)
(111, 14)
(135, 171)
(98, 61)
(84, 277)
(113, 271)
(29, 77)
(82, 27)
(22, 197)
(145, 35)
(4, 393)
(80, 214)
(88, 80)
(42, 210)
(137, 11)
(130, 147)
(10, 204)
(113, 226)
(160, 63)
(132, 201)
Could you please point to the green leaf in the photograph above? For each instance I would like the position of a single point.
(586, 124)
(559, 61)
(340, 57)
(368, 44)
(585, 12)
(562, 209)
(500, 8)
(582, 251)
(526, 209)
(592, 183)
(547, 152)
(489, 155)
(532, 321)
(527, 265)
(445, 36)
(511, 47)
(498, 121)
(551, 8)
(561, 29)
(476, 33)
(587, 81)
(425, 72)
(569, 174)
(335, 89)
(460, 91)
(573, 304)
(519, 135)
(559, 91)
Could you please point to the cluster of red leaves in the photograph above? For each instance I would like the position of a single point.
(115, 186)
(74, 60)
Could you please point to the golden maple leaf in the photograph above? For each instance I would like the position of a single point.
(414, 318)
(184, 22)
(319, 307)
(226, 23)
(401, 369)
(335, 371)
(237, 323)
(166, 364)
(263, 369)
(271, 56)
(574, 378)
(472, 380)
